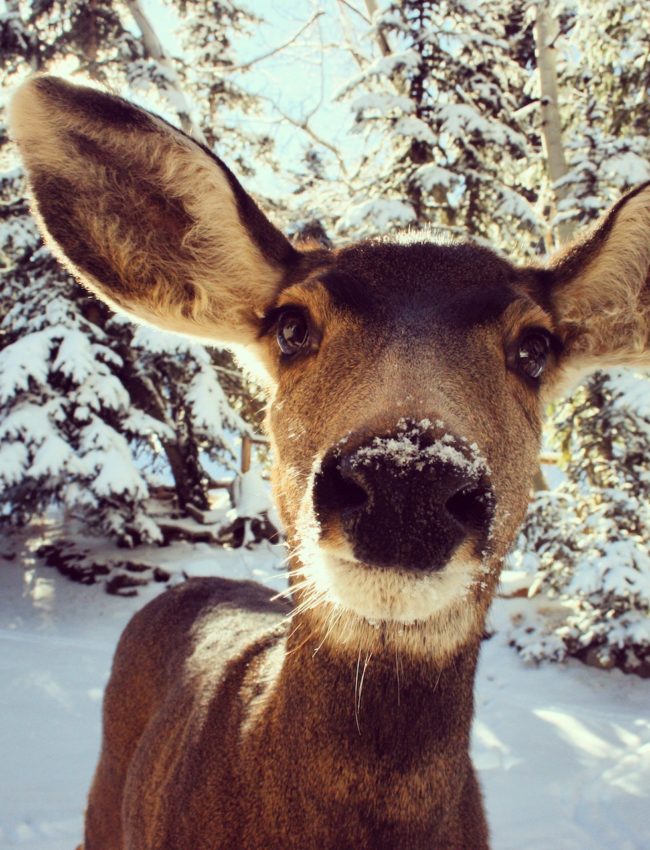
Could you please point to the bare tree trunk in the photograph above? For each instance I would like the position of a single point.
(155, 49)
(384, 46)
(546, 31)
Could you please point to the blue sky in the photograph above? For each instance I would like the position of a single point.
(303, 79)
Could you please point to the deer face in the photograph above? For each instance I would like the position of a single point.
(406, 379)
(405, 415)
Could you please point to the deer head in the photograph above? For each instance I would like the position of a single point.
(406, 377)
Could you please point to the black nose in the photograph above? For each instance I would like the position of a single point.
(406, 500)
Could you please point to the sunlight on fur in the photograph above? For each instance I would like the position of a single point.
(197, 246)
(360, 608)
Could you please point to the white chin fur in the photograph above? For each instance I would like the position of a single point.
(391, 596)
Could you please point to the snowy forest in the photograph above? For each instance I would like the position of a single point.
(131, 459)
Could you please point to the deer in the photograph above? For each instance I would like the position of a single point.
(407, 378)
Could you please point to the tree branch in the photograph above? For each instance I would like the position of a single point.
(155, 50)
(354, 9)
(245, 65)
(382, 41)
(303, 124)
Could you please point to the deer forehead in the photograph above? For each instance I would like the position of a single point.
(410, 331)
(434, 291)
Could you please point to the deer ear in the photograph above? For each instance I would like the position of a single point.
(599, 289)
(145, 216)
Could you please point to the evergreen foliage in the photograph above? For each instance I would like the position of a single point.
(587, 540)
(605, 75)
(91, 406)
(443, 144)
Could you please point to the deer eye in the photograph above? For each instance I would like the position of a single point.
(292, 331)
(533, 352)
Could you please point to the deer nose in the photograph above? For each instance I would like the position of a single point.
(406, 501)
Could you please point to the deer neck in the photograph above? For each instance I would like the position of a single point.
(386, 706)
(386, 748)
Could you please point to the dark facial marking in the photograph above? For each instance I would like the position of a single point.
(347, 291)
(458, 285)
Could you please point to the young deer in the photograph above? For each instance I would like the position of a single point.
(406, 382)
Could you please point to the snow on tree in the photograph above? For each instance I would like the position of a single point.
(64, 411)
(90, 403)
(442, 143)
(587, 541)
(605, 75)
(209, 27)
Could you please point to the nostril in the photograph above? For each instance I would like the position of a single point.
(471, 508)
(350, 494)
(335, 490)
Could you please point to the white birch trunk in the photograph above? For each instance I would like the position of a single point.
(155, 49)
(546, 30)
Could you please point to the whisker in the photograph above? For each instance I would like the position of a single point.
(311, 600)
(397, 675)
(356, 691)
(293, 631)
(300, 645)
(283, 594)
(435, 687)
(334, 616)
(289, 591)
(363, 674)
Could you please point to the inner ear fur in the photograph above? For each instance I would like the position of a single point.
(599, 288)
(145, 216)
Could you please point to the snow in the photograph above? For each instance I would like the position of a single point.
(627, 168)
(403, 60)
(381, 104)
(431, 175)
(459, 119)
(383, 214)
(406, 451)
(251, 494)
(414, 128)
(26, 359)
(563, 752)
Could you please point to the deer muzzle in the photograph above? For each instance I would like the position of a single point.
(407, 499)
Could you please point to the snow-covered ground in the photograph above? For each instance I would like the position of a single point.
(563, 752)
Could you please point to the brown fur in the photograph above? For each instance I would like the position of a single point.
(140, 212)
(601, 288)
(228, 726)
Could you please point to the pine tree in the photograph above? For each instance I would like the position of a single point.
(65, 415)
(605, 76)
(442, 143)
(90, 402)
(587, 541)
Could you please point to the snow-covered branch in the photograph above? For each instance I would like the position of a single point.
(155, 50)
